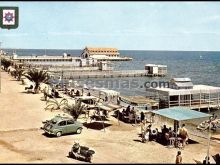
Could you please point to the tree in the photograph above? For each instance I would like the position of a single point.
(53, 104)
(75, 109)
(18, 73)
(38, 77)
(5, 63)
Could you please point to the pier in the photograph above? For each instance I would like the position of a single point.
(104, 74)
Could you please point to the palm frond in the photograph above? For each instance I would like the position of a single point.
(75, 109)
(54, 101)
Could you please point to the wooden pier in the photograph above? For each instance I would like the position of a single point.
(104, 74)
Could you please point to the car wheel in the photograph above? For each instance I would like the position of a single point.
(79, 130)
(58, 134)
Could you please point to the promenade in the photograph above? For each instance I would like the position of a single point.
(21, 140)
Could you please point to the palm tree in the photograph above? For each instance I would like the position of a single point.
(19, 72)
(5, 63)
(37, 76)
(53, 104)
(75, 109)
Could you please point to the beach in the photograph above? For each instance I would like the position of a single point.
(22, 140)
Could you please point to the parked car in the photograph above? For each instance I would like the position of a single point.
(60, 125)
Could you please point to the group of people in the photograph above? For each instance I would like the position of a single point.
(130, 113)
(164, 136)
(71, 92)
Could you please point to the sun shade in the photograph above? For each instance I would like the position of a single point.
(180, 113)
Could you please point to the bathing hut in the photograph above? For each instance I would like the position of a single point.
(156, 70)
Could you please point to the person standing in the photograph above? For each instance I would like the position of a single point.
(45, 93)
(183, 133)
(142, 116)
(118, 101)
(178, 158)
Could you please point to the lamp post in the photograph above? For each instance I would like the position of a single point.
(209, 139)
(62, 77)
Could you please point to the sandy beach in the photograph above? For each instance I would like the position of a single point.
(22, 141)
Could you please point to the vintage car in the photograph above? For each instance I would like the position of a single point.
(60, 125)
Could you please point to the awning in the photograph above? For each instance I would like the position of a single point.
(180, 113)
(86, 97)
(103, 107)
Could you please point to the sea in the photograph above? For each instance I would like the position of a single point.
(202, 67)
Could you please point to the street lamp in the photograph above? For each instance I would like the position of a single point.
(209, 139)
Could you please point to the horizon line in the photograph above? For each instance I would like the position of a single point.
(118, 49)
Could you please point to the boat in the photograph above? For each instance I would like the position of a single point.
(215, 125)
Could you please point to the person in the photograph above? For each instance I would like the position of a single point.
(152, 117)
(128, 109)
(89, 94)
(45, 93)
(53, 92)
(165, 130)
(118, 101)
(142, 116)
(204, 161)
(171, 132)
(178, 158)
(76, 146)
(72, 92)
(153, 135)
(132, 110)
(123, 112)
(143, 127)
(149, 129)
(214, 121)
(82, 91)
(183, 133)
(77, 93)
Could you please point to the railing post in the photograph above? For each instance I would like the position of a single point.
(190, 100)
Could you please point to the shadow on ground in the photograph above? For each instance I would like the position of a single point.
(96, 125)
(54, 136)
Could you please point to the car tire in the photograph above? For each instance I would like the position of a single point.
(58, 134)
(79, 130)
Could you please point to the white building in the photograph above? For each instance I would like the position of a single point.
(156, 70)
(184, 93)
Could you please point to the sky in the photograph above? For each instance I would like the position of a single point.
(124, 25)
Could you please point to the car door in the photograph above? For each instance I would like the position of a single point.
(70, 127)
(62, 127)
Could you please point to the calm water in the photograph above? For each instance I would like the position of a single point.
(180, 64)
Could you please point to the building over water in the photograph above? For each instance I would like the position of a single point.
(103, 54)
(182, 92)
(92, 52)
(156, 70)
